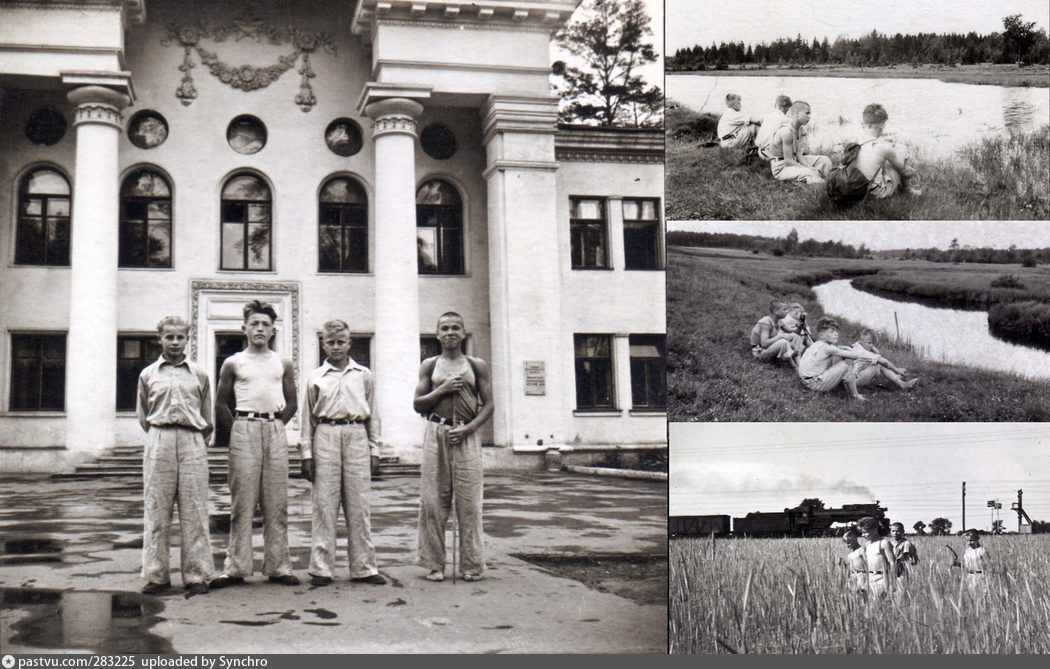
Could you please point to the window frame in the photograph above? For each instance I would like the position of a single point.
(458, 213)
(602, 224)
(344, 226)
(246, 223)
(655, 368)
(354, 336)
(11, 408)
(21, 194)
(147, 339)
(656, 226)
(146, 222)
(610, 363)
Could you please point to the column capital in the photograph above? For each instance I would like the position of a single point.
(504, 113)
(393, 116)
(98, 104)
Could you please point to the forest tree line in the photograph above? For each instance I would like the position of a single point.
(792, 245)
(1019, 42)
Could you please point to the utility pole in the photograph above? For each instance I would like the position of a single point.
(964, 506)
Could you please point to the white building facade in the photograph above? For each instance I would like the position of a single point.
(376, 161)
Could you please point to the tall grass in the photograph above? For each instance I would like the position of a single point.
(999, 179)
(1021, 322)
(791, 596)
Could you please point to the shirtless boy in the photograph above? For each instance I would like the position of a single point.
(788, 161)
(454, 394)
(884, 163)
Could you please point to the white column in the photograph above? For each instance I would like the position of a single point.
(91, 345)
(525, 268)
(622, 372)
(396, 277)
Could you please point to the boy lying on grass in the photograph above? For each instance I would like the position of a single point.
(825, 364)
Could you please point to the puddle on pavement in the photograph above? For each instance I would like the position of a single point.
(640, 577)
(33, 550)
(103, 622)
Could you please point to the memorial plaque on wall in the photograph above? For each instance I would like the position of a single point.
(535, 378)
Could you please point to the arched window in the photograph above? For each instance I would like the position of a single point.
(145, 220)
(43, 219)
(439, 228)
(343, 226)
(246, 224)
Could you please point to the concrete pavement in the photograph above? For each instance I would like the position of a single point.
(576, 564)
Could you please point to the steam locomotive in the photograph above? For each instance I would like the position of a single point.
(809, 519)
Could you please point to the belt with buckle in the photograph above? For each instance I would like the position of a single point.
(441, 420)
(874, 572)
(257, 415)
(340, 421)
(975, 572)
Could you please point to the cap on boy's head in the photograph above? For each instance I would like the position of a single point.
(173, 321)
(827, 324)
(867, 523)
(453, 314)
(730, 97)
(796, 305)
(335, 326)
(874, 114)
(798, 106)
(259, 307)
(973, 533)
(868, 332)
(783, 103)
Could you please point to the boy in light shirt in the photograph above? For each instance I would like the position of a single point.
(339, 441)
(735, 128)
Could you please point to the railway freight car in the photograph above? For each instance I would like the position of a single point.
(809, 519)
(697, 526)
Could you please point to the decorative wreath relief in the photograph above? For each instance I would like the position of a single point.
(247, 77)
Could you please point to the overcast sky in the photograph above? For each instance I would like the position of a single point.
(916, 470)
(702, 22)
(880, 235)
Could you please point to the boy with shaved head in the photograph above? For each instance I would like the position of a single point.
(788, 161)
(454, 394)
(340, 439)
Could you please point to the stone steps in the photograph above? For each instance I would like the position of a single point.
(127, 461)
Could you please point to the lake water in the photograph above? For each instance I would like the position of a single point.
(932, 116)
(943, 335)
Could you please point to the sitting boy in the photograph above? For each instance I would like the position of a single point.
(767, 341)
(825, 364)
(735, 128)
(794, 325)
(788, 163)
(866, 341)
(884, 163)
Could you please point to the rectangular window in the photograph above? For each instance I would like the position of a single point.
(43, 231)
(246, 231)
(587, 231)
(594, 372)
(38, 372)
(648, 365)
(134, 354)
(641, 233)
(360, 349)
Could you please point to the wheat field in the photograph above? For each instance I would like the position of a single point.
(791, 596)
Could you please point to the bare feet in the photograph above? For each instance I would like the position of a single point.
(859, 397)
(908, 385)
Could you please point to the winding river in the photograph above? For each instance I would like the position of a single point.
(943, 335)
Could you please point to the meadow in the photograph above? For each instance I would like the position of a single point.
(791, 596)
(715, 296)
(999, 179)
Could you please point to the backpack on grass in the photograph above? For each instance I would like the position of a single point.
(846, 185)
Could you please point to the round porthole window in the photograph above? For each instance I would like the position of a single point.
(438, 141)
(246, 134)
(147, 129)
(343, 137)
(46, 127)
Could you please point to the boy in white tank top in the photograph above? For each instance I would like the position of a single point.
(261, 386)
(454, 394)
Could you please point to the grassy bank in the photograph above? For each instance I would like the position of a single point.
(791, 596)
(1017, 298)
(715, 297)
(996, 179)
(1033, 76)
